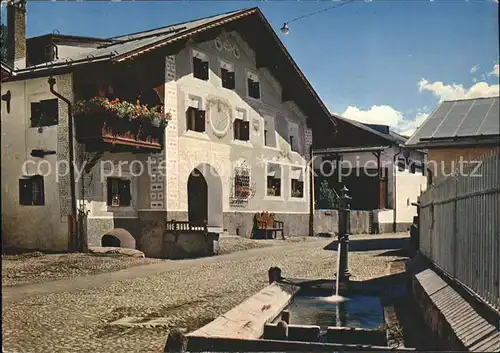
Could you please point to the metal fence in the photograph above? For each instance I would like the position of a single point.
(460, 227)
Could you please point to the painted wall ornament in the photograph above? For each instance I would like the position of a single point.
(220, 116)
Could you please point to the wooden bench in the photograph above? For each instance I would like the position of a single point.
(268, 226)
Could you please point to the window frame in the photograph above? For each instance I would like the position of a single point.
(194, 52)
(226, 62)
(109, 193)
(247, 84)
(32, 179)
(301, 180)
(279, 168)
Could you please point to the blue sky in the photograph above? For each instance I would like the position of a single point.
(380, 61)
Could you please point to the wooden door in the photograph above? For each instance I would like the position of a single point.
(197, 198)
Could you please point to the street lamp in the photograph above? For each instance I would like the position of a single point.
(285, 29)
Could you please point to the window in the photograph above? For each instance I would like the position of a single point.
(273, 180)
(45, 113)
(195, 119)
(31, 191)
(118, 192)
(241, 126)
(227, 75)
(297, 183)
(242, 183)
(200, 65)
(253, 85)
(401, 164)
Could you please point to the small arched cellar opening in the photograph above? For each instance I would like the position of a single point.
(119, 238)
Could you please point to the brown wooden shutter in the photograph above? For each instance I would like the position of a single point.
(204, 70)
(196, 67)
(236, 128)
(190, 118)
(224, 78)
(200, 121)
(109, 183)
(25, 192)
(36, 111)
(125, 195)
(245, 130)
(231, 80)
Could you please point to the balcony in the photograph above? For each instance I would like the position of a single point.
(119, 126)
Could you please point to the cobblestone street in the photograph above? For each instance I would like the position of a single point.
(73, 315)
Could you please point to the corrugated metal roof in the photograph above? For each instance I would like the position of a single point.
(459, 119)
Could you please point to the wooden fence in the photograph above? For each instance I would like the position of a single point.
(460, 227)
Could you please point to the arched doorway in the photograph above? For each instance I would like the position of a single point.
(197, 198)
(205, 196)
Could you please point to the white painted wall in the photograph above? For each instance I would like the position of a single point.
(40, 227)
(187, 149)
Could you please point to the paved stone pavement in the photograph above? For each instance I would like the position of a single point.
(73, 315)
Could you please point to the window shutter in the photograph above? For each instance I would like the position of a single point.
(50, 109)
(231, 80)
(236, 126)
(196, 67)
(224, 77)
(245, 132)
(256, 86)
(200, 121)
(125, 196)
(35, 114)
(37, 185)
(109, 183)
(190, 118)
(204, 73)
(25, 192)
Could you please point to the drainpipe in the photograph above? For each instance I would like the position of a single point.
(52, 82)
(394, 189)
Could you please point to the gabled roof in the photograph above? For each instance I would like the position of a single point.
(250, 21)
(70, 37)
(391, 137)
(459, 122)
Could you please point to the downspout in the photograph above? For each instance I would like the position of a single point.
(73, 243)
(394, 189)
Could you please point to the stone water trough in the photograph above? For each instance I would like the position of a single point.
(295, 315)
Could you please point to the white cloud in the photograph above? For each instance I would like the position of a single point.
(496, 71)
(474, 69)
(454, 91)
(386, 115)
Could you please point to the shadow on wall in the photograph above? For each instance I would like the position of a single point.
(119, 238)
(399, 244)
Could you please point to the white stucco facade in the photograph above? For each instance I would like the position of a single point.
(37, 226)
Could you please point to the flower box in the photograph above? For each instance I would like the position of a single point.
(101, 121)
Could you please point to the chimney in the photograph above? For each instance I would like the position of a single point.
(16, 34)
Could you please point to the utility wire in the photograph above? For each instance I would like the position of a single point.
(320, 11)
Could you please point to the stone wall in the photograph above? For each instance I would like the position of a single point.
(327, 222)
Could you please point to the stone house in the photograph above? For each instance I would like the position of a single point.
(241, 121)
(458, 132)
(381, 174)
